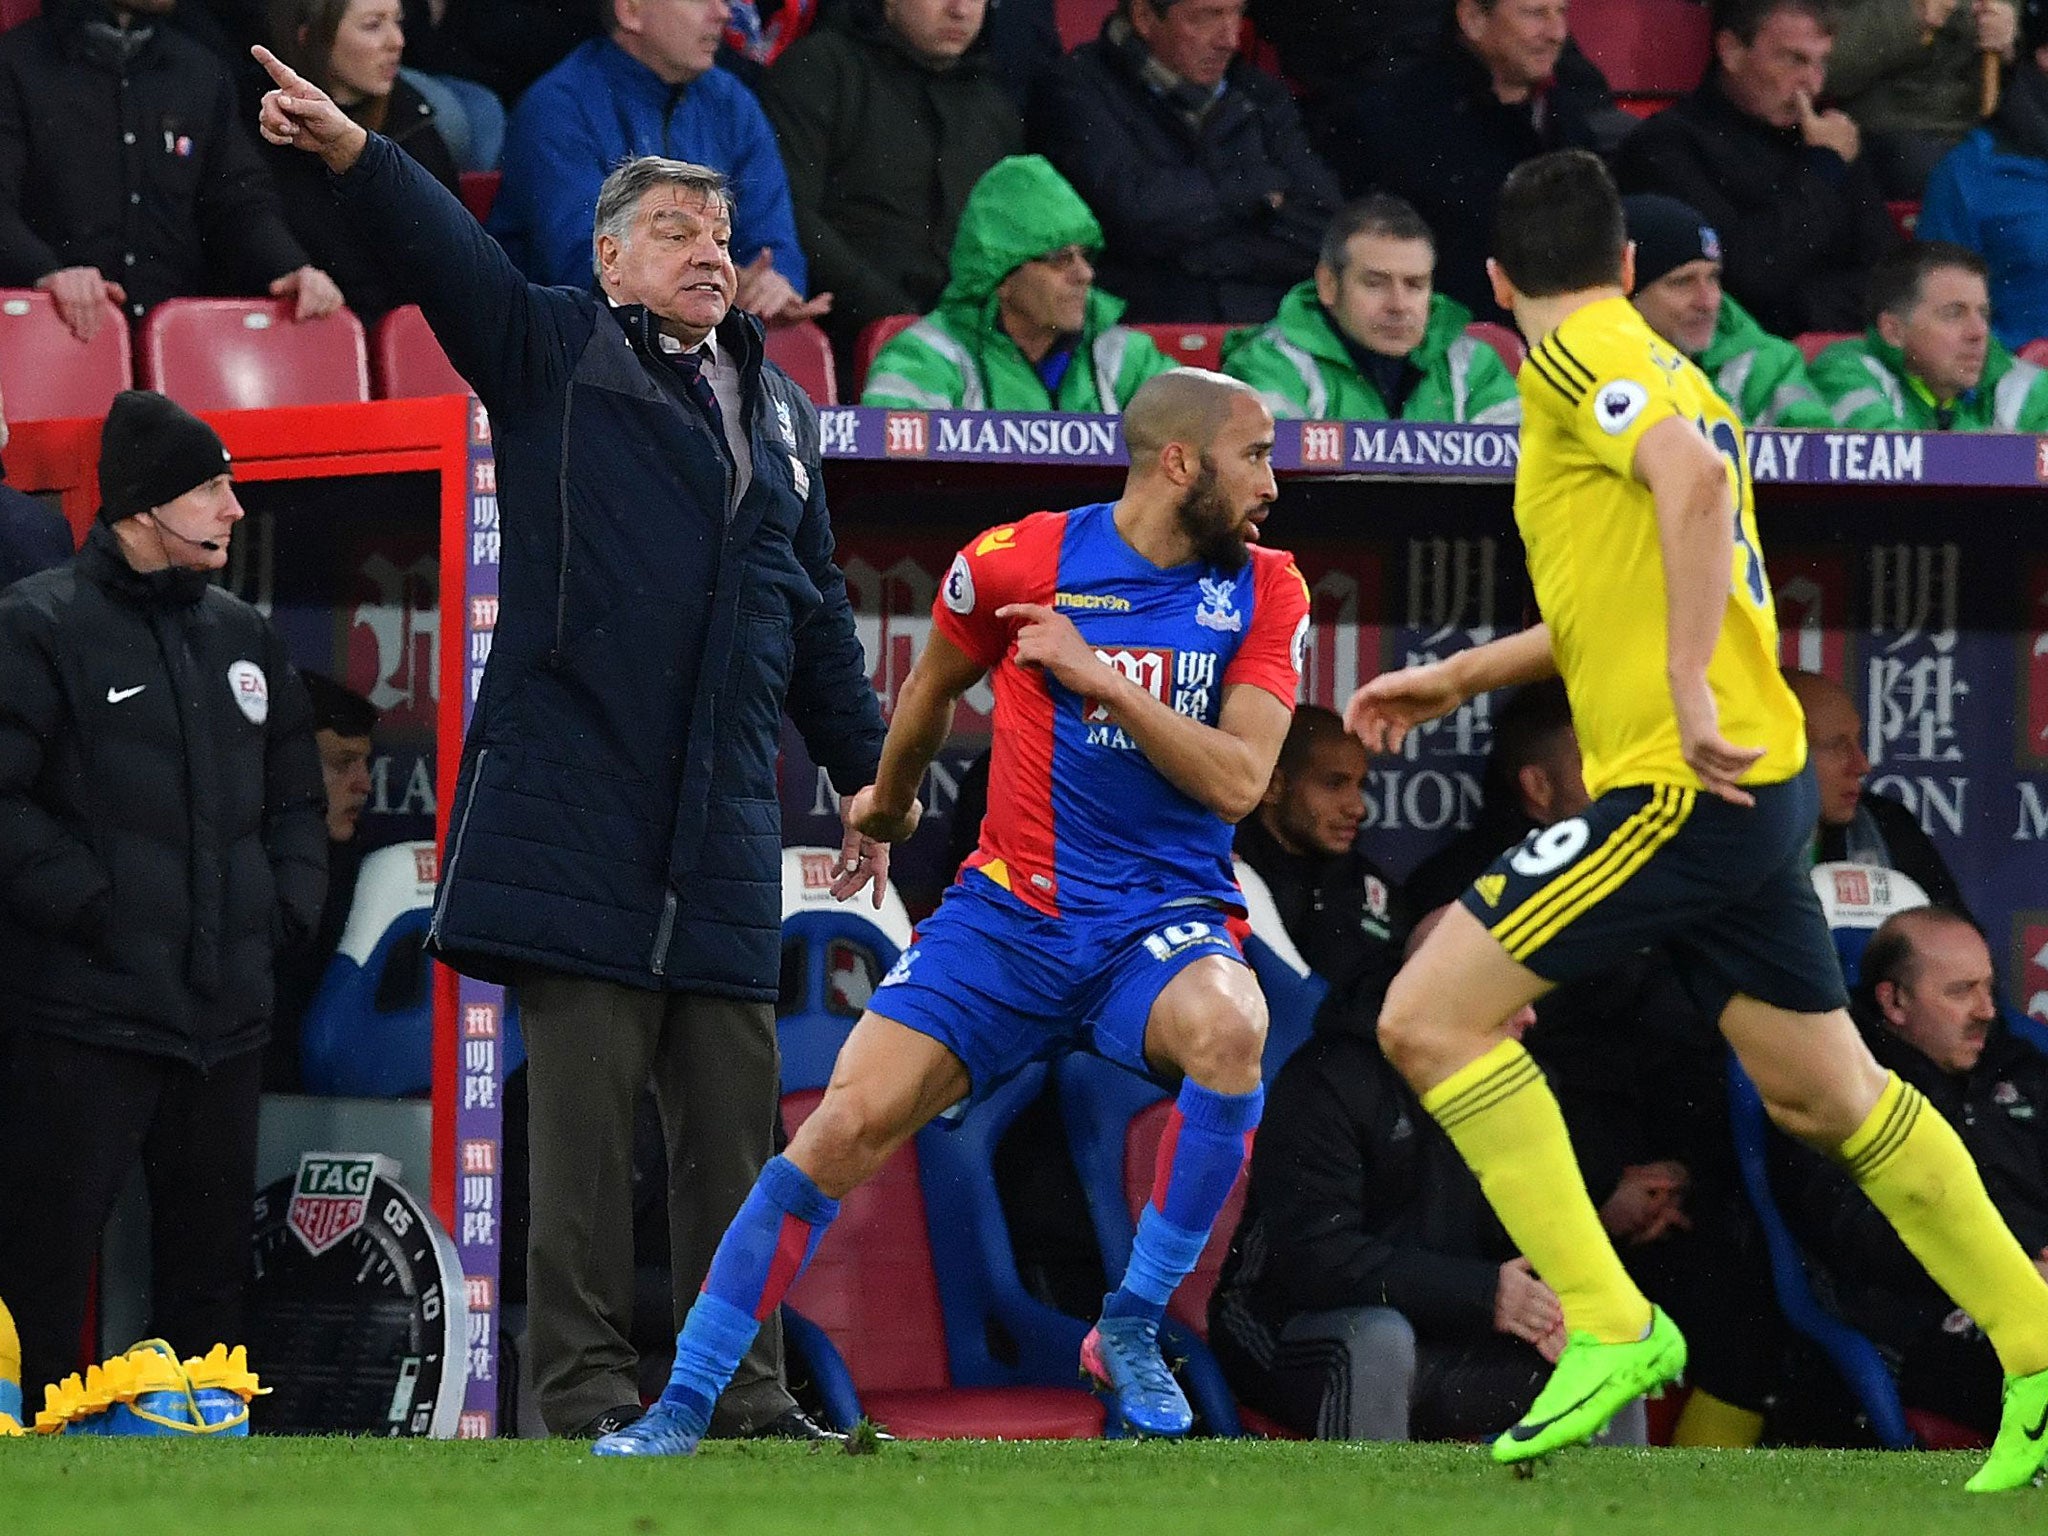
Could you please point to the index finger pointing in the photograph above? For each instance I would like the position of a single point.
(1023, 611)
(280, 71)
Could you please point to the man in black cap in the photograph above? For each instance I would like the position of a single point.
(1678, 291)
(160, 836)
(342, 722)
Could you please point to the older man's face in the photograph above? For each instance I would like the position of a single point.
(676, 260)
(1946, 1011)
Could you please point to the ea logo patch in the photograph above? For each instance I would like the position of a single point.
(251, 691)
(1618, 404)
(958, 591)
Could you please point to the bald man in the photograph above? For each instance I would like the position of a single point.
(1856, 823)
(1145, 657)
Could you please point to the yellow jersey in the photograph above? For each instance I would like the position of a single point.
(1590, 390)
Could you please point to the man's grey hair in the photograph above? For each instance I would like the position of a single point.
(632, 179)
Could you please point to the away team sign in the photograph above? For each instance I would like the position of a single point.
(331, 1197)
(1439, 450)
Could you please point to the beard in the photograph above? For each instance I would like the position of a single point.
(1211, 523)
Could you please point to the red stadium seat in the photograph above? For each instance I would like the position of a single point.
(2033, 352)
(248, 354)
(1643, 106)
(1904, 214)
(1504, 339)
(479, 191)
(874, 336)
(1645, 47)
(46, 373)
(802, 352)
(409, 361)
(1080, 21)
(875, 1288)
(1191, 345)
(14, 12)
(1812, 343)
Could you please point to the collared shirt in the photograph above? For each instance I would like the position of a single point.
(724, 377)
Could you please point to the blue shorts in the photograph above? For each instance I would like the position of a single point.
(1724, 887)
(1000, 984)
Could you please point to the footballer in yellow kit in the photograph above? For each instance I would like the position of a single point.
(1634, 502)
(1590, 391)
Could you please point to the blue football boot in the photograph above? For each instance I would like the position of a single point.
(1121, 1358)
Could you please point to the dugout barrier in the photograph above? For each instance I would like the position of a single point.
(1911, 566)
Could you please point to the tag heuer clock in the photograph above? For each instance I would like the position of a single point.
(356, 1316)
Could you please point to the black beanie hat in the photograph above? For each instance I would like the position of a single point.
(1668, 234)
(153, 450)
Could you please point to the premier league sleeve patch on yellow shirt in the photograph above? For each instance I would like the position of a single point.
(1617, 404)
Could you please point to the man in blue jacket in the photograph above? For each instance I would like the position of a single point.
(648, 87)
(667, 588)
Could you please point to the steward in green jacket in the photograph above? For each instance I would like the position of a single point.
(1021, 325)
(1368, 339)
(1678, 292)
(1929, 362)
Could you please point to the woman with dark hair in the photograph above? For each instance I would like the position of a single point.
(351, 49)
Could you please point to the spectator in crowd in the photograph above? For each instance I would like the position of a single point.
(1929, 362)
(1369, 1293)
(648, 87)
(351, 48)
(1195, 161)
(888, 114)
(1023, 44)
(343, 721)
(1369, 338)
(1856, 822)
(126, 172)
(1927, 1005)
(1678, 291)
(159, 837)
(1500, 87)
(33, 537)
(1801, 217)
(1910, 75)
(1991, 195)
(1021, 326)
(1344, 915)
(617, 854)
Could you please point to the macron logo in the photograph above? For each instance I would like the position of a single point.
(116, 695)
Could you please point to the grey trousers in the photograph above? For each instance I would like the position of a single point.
(591, 1047)
(1358, 1373)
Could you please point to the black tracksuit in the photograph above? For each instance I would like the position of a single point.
(161, 833)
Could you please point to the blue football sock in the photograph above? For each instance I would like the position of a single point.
(1208, 1137)
(759, 1258)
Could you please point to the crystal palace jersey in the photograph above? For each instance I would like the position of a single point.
(1590, 390)
(1079, 821)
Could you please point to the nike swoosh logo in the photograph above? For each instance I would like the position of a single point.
(2040, 1426)
(1531, 1431)
(116, 695)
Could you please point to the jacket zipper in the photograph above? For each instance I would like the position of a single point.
(663, 932)
(454, 853)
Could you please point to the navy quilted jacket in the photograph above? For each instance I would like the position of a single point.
(616, 814)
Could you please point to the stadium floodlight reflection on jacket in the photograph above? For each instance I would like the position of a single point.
(1079, 821)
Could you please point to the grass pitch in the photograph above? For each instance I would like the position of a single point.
(79, 1487)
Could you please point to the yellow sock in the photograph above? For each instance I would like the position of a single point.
(1503, 1119)
(1915, 1169)
(1706, 1420)
(10, 1347)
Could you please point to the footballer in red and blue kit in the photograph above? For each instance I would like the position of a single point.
(1097, 880)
